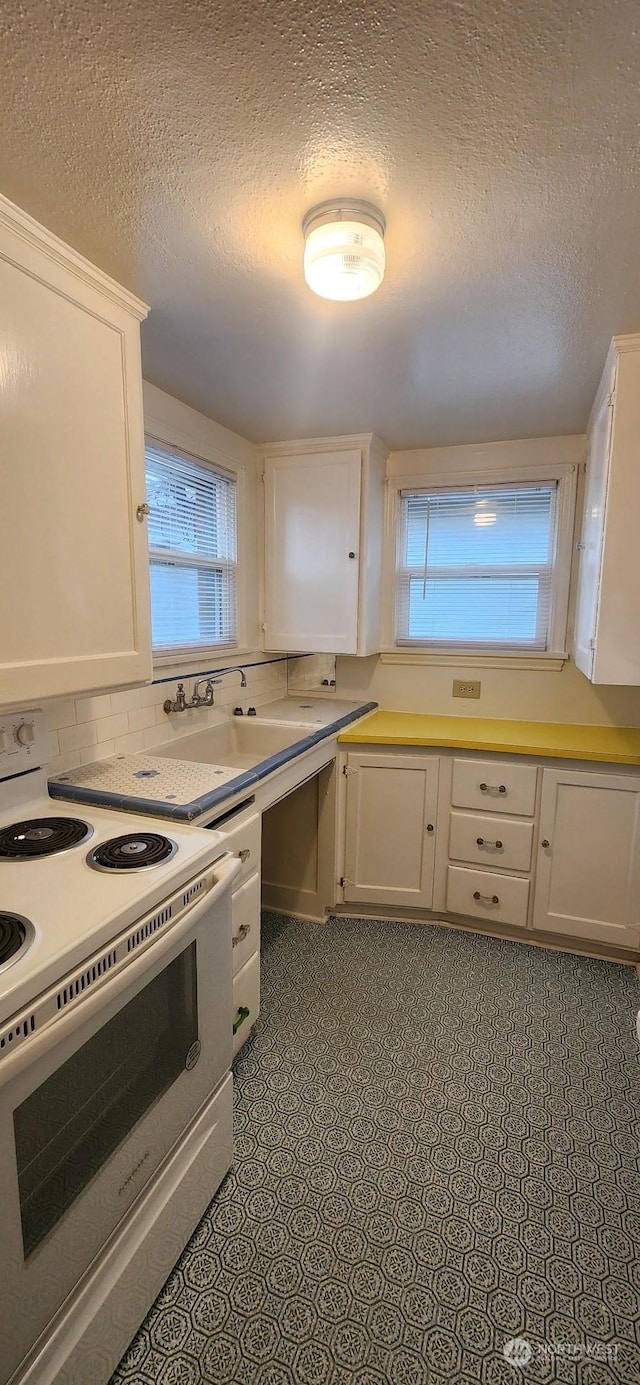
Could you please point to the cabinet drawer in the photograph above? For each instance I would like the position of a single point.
(503, 898)
(494, 787)
(245, 919)
(490, 841)
(244, 841)
(246, 1001)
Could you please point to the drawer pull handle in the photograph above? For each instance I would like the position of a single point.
(245, 853)
(486, 898)
(242, 1014)
(240, 936)
(482, 841)
(493, 788)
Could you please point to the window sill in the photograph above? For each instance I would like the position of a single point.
(457, 658)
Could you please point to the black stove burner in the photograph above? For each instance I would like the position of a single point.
(22, 841)
(135, 851)
(13, 936)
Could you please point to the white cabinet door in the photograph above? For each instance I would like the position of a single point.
(390, 829)
(74, 587)
(588, 871)
(607, 637)
(312, 541)
(592, 534)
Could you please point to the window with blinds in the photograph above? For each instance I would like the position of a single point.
(192, 551)
(475, 566)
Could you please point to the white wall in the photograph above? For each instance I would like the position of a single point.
(540, 694)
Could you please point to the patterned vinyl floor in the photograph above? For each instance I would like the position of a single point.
(437, 1140)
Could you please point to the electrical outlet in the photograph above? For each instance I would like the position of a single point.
(465, 689)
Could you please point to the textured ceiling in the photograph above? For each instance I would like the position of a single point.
(178, 145)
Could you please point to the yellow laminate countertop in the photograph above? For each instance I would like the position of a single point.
(615, 744)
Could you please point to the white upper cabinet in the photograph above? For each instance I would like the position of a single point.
(323, 545)
(607, 629)
(74, 588)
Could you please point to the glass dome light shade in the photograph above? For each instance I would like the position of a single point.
(344, 250)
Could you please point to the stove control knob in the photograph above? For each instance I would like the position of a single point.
(25, 734)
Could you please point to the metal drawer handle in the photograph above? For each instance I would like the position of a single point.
(482, 841)
(240, 936)
(245, 853)
(486, 898)
(493, 788)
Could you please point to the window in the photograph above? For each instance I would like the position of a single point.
(192, 552)
(476, 567)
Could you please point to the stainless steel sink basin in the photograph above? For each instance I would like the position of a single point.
(237, 744)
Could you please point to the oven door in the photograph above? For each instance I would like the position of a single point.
(92, 1104)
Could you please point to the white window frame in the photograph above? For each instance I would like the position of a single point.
(162, 655)
(565, 475)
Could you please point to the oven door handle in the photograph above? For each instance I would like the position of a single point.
(55, 1032)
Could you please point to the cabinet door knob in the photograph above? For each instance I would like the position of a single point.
(245, 853)
(142, 511)
(545, 842)
(429, 827)
(352, 554)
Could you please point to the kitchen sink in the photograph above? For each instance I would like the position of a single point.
(238, 743)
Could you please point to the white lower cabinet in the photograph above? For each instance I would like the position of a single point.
(588, 868)
(483, 894)
(564, 861)
(392, 801)
(490, 841)
(245, 921)
(246, 1001)
(242, 830)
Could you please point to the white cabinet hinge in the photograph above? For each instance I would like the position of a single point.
(611, 399)
(344, 880)
(349, 769)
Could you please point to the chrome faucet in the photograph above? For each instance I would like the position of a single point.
(236, 669)
(207, 700)
(181, 704)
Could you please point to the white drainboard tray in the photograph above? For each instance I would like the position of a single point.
(147, 776)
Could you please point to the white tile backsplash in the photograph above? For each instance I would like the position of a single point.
(119, 723)
(127, 745)
(61, 713)
(75, 737)
(115, 725)
(141, 717)
(129, 700)
(91, 708)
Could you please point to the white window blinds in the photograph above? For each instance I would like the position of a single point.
(475, 566)
(192, 551)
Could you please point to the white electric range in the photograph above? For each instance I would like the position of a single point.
(115, 1053)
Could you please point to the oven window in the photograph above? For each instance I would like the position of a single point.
(67, 1129)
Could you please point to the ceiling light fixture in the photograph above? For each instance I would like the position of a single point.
(344, 249)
